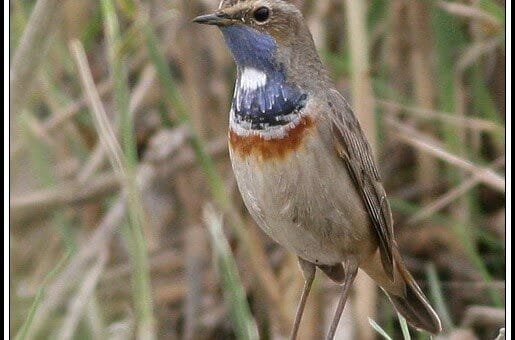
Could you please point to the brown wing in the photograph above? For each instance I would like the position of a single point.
(352, 146)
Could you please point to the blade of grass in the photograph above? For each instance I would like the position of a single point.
(69, 276)
(441, 202)
(410, 208)
(484, 104)
(93, 29)
(378, 329)
(364, 108)
(470, 12)
(389, 316)
(136, 241)
(134, 232)
(493, 8)
(376, 13)
(404, 327)
(30, 52)
(55, 98)
(119, 73)
(450, 39)
(429, 145)
(84, 294)
(436, 294)
(471, 58)
(24, 330)
(95, 317)
(41, 159)
(479, 124)
(96, 159)
(243, 322)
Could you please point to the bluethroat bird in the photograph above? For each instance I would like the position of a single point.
(302, 163)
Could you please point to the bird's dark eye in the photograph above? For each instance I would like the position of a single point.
(262, 14)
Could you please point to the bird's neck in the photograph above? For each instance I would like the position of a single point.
(263, 97)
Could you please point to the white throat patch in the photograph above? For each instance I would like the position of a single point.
(251, 79)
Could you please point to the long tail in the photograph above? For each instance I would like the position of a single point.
(405, 294)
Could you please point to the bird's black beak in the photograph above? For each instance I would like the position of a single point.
(218, 19)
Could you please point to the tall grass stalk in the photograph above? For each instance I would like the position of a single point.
(24, 330)
(404, 327)
(134, 231)
(243, 322)
(363, 103)
(40, 156)
(379, 329)
(436, 294)
(84, 294)
(135, 240)
(31, 51)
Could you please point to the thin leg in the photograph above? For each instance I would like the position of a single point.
(351, 269)
(308, 271)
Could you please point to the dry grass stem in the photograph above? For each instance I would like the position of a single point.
(196, 254)
(66, 194)
(106, 133)
(79, 303)
(433, 207)
(428, 114)
(484, 315)
(428, 145)
(141, 89)
(72, 273)
(470, 12)
(363, 103)
(30, 52)
(56, 120)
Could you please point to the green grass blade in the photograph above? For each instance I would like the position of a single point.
(134, 233)
(24, 330)
(377, 13)
(243, 322)
(378, 329)
(484, 104)
(41, 158)
(119, 73)
(404, 327)
(436, 294)
(493, 8)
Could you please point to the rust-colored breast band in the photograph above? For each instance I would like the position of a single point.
(276, 148)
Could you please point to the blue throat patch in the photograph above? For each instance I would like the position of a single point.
(270, 99)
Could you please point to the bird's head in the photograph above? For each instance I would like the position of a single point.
(267, 34)
(279, 19)
(278, 67)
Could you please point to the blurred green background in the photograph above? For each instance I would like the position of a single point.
(125, 218)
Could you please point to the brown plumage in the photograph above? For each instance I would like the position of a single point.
(303, 165)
